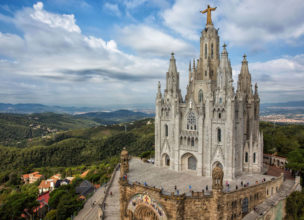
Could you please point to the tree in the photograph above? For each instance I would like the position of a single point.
(51, 215)
(295, 206)
(15, 205)
(68, 206)
(55, 197)
(13, 179)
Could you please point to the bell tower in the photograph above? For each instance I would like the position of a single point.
(209, 50)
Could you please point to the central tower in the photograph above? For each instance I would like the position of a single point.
(213, 126)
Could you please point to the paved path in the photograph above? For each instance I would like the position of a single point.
(90, 211)
(162, 177)
(112, 210)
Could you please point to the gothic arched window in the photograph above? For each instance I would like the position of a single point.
(211, 51)
(245, 206)
(246, 157)
(254, 157)
(200, 96)
(166, 130)
(192, 142)
(219, 135)
(205, 51)
(191, 120)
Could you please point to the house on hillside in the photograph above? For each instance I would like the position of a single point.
(62, 182)
(49, 184)
(70, 178)
(85, 188)
(31, 177)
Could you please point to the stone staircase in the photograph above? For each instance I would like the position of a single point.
(112, 209)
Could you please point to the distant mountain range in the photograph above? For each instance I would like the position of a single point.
(291, 108)
(292, 104)
(29, 108)
(114, 117)
(294, 107)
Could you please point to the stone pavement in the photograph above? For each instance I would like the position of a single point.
(112, 209)
(90, 210)
(162, 177)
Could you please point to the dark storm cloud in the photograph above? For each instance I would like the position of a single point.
(106, 74)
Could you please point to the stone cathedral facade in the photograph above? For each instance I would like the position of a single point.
(214, 124)
(209, 137)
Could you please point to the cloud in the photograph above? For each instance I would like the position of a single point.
(184, 18)
(261, 21)
(241, 23)
(112, 8)
(52, 61)
(67, 22)
(148, 40)
(132, 4)
(62, 64)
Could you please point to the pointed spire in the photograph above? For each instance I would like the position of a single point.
(172, 66)
(244, 79)
(193, 63)
(159, 95)
(224, 77)
(244, 69)
(224, 49)
(256, 89)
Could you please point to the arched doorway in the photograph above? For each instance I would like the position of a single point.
(144, 207)
(166, 160)
(189, 162)
(144, 212)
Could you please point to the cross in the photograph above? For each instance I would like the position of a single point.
(244, 56)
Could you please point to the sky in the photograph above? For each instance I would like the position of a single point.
(98, 52)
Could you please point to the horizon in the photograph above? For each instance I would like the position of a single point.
(78, 53)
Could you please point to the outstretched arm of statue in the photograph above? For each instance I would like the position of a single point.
(213, 9)
(204, 11)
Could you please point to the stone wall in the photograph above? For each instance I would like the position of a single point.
(214, 205)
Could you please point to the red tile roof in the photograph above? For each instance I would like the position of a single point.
(43, 200)
(84, 174)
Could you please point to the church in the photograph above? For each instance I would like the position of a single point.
(203, 140)
(214, 124)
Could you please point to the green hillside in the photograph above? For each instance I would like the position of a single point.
(83, 146)
(16, 128)
(20, 130)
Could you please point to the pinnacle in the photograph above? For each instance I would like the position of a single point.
(244, 56)
(172, 66)
(224, 49)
